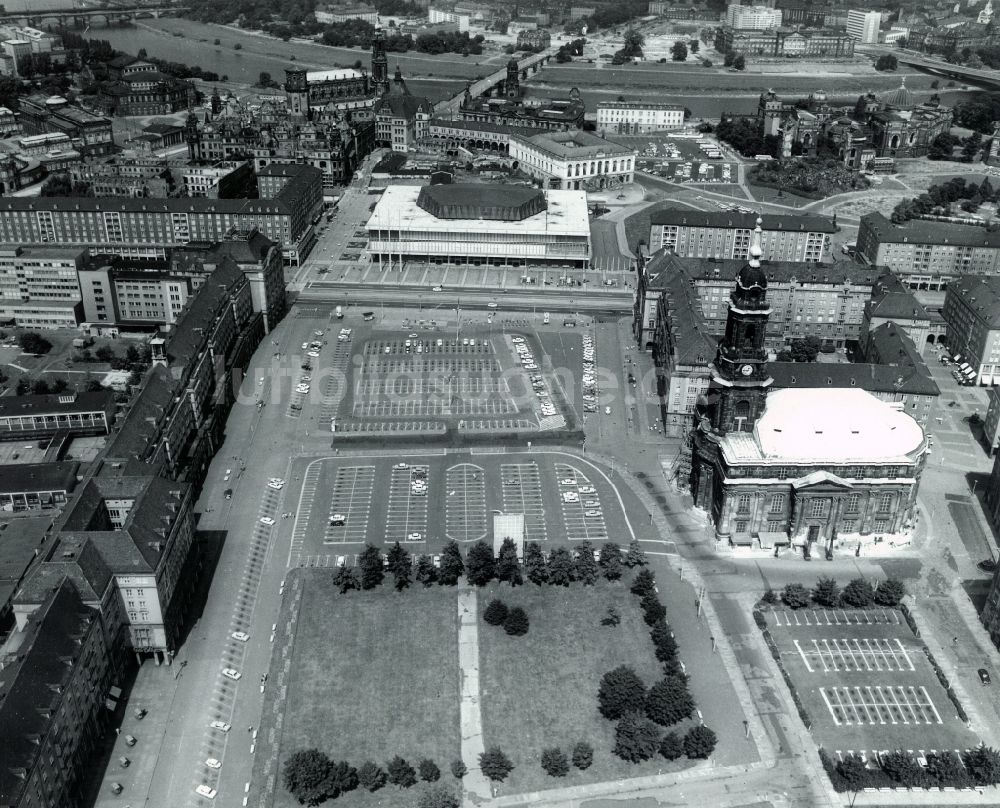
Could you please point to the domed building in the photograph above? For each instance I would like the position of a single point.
(816, 469)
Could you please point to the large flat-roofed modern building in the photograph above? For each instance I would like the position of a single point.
(928, 254)
(37, 486)
(40, 416)
(574, 159)
(697, 234)
(39, 287)
(630, 118)
(480, 224)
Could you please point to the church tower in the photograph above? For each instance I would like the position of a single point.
(380, 64)
(739, 373)
(193, 137)
(297, 91)
(512, 84)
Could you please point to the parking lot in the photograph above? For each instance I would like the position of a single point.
(426, 500)
(865, 681)
(685, 159)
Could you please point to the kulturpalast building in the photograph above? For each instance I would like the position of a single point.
(813, 468)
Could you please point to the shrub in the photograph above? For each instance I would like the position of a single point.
(429, 771)
(699, 742)
(902, 768)
(495, 765)
(983, 764)
(890, 592)
(795, 596)
(669, 701)
(401, 773)
(671, 747)
(583, 755)
(495, 612)
(826, 592)
(858, 593)
(371, 776)
(459, 769)
(621, 692)
(636, 738)
(554, 762)
(32, 343)
(946, 769)
(770, 597)
(438, 797)
(516, 623)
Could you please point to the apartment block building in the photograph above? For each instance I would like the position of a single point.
(632, 118)
(972, 313)
(753, 18)
(928, 254)
(697, 234)
(39, 287)
(863, 25)
(894, 302)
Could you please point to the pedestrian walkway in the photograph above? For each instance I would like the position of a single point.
(474, 784)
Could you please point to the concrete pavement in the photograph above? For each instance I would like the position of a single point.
(475, 786)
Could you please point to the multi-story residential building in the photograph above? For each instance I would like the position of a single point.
(928, 254)
(54, 682)
(785, 43)
(539, 39)
(894, 302)
(149, 227)
(39, 287)
(89, 133)
(638, 118)
(991, 423)
(793, 12)
(42, 43)
(37, 486)
(342, 13)
(863, 25)
(484, 225)
(574, 160)
(43, 416)
(696, 234)
(753, 18)
(401, 119)
(972, 311)
(224, 180)
(436, 14)
(132, 175)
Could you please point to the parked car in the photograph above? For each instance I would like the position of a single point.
(984, 676)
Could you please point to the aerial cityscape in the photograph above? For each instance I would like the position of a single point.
(439, 403)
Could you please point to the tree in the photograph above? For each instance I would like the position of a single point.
(560, 567)
(401, 773)
(22, 388)
(585, 566)
(400, 565)
(343, 778)
(669, 701)
(429, 771)
(971, 147)
(886, 62)
(371, 566)
(858, 593)
(32, 343)
(901, 766)
(611, 561)
(653, 610)
(583, 755)
(663, 641)
(671, 747)
(346, 579)
(427, 573)
(943, 146)
(644, 583)
(480, 566)
(452, 566)
(495, 612)
(983, 763)
(805, 350)
(739, 62)
(890, 592)
(40, 387)
(555, 762)
(104, 354)
(371, 776)
(305, 775)
(534, 564)
(459, 769)
(495, 765)
(516, 623)
(694, 46)
(636, 738)
(621, 691)
(635, 557)
(438, 797)
(854, 773)
(264, 79)
(611, 617)
(699, 742)
(826, 593)
(632, 43)
(508, 567)
(795, 596)
(132, 355)
(679, 51)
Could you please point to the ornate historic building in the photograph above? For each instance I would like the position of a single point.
(813, 468)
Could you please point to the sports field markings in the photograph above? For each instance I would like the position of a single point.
(352, 498)
(465, 502)
(407, 512)
(579, 526)
(522, 493)
(877, 704)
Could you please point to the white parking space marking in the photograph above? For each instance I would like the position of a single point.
(465, 503)
(307, 499)
(856, 654)
(352, 497)
(522, 493)
(579, 526)
(890, 704)
(407, 511)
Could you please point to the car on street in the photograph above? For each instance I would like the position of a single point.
(984, 676)
(414, 537)
(232, 673)
(212, 763)
(275, 486)
(242, 636)
(592, 514)
(266, 520)
(437, 289)
(491, 305)
(607, 410)
(228, 493)
(222, 726)
(206, 791)
(338, 519)
(988, 565)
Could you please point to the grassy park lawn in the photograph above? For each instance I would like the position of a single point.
(540, 690)
(374, 674)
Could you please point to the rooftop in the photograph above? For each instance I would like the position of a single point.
(893, 300)
(725, 270)
(925, 231)
(981, 294)
(875, 378)
(746, 221)
(575, 144)
(59, 476)
(318, 76)
(504, 203)
(103, 400)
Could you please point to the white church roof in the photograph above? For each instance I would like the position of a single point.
(823, 425)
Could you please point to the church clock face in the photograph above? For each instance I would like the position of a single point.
(746, 370)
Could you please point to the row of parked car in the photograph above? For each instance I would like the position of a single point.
(538, 383)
